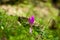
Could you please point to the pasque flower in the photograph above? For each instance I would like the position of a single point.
(31, 22)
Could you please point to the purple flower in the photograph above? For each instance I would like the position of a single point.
(31, 20)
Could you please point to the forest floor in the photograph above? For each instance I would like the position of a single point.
(21, 11)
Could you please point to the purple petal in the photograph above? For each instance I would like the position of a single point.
(31, 20)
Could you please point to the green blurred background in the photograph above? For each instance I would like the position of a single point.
(14, 16)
